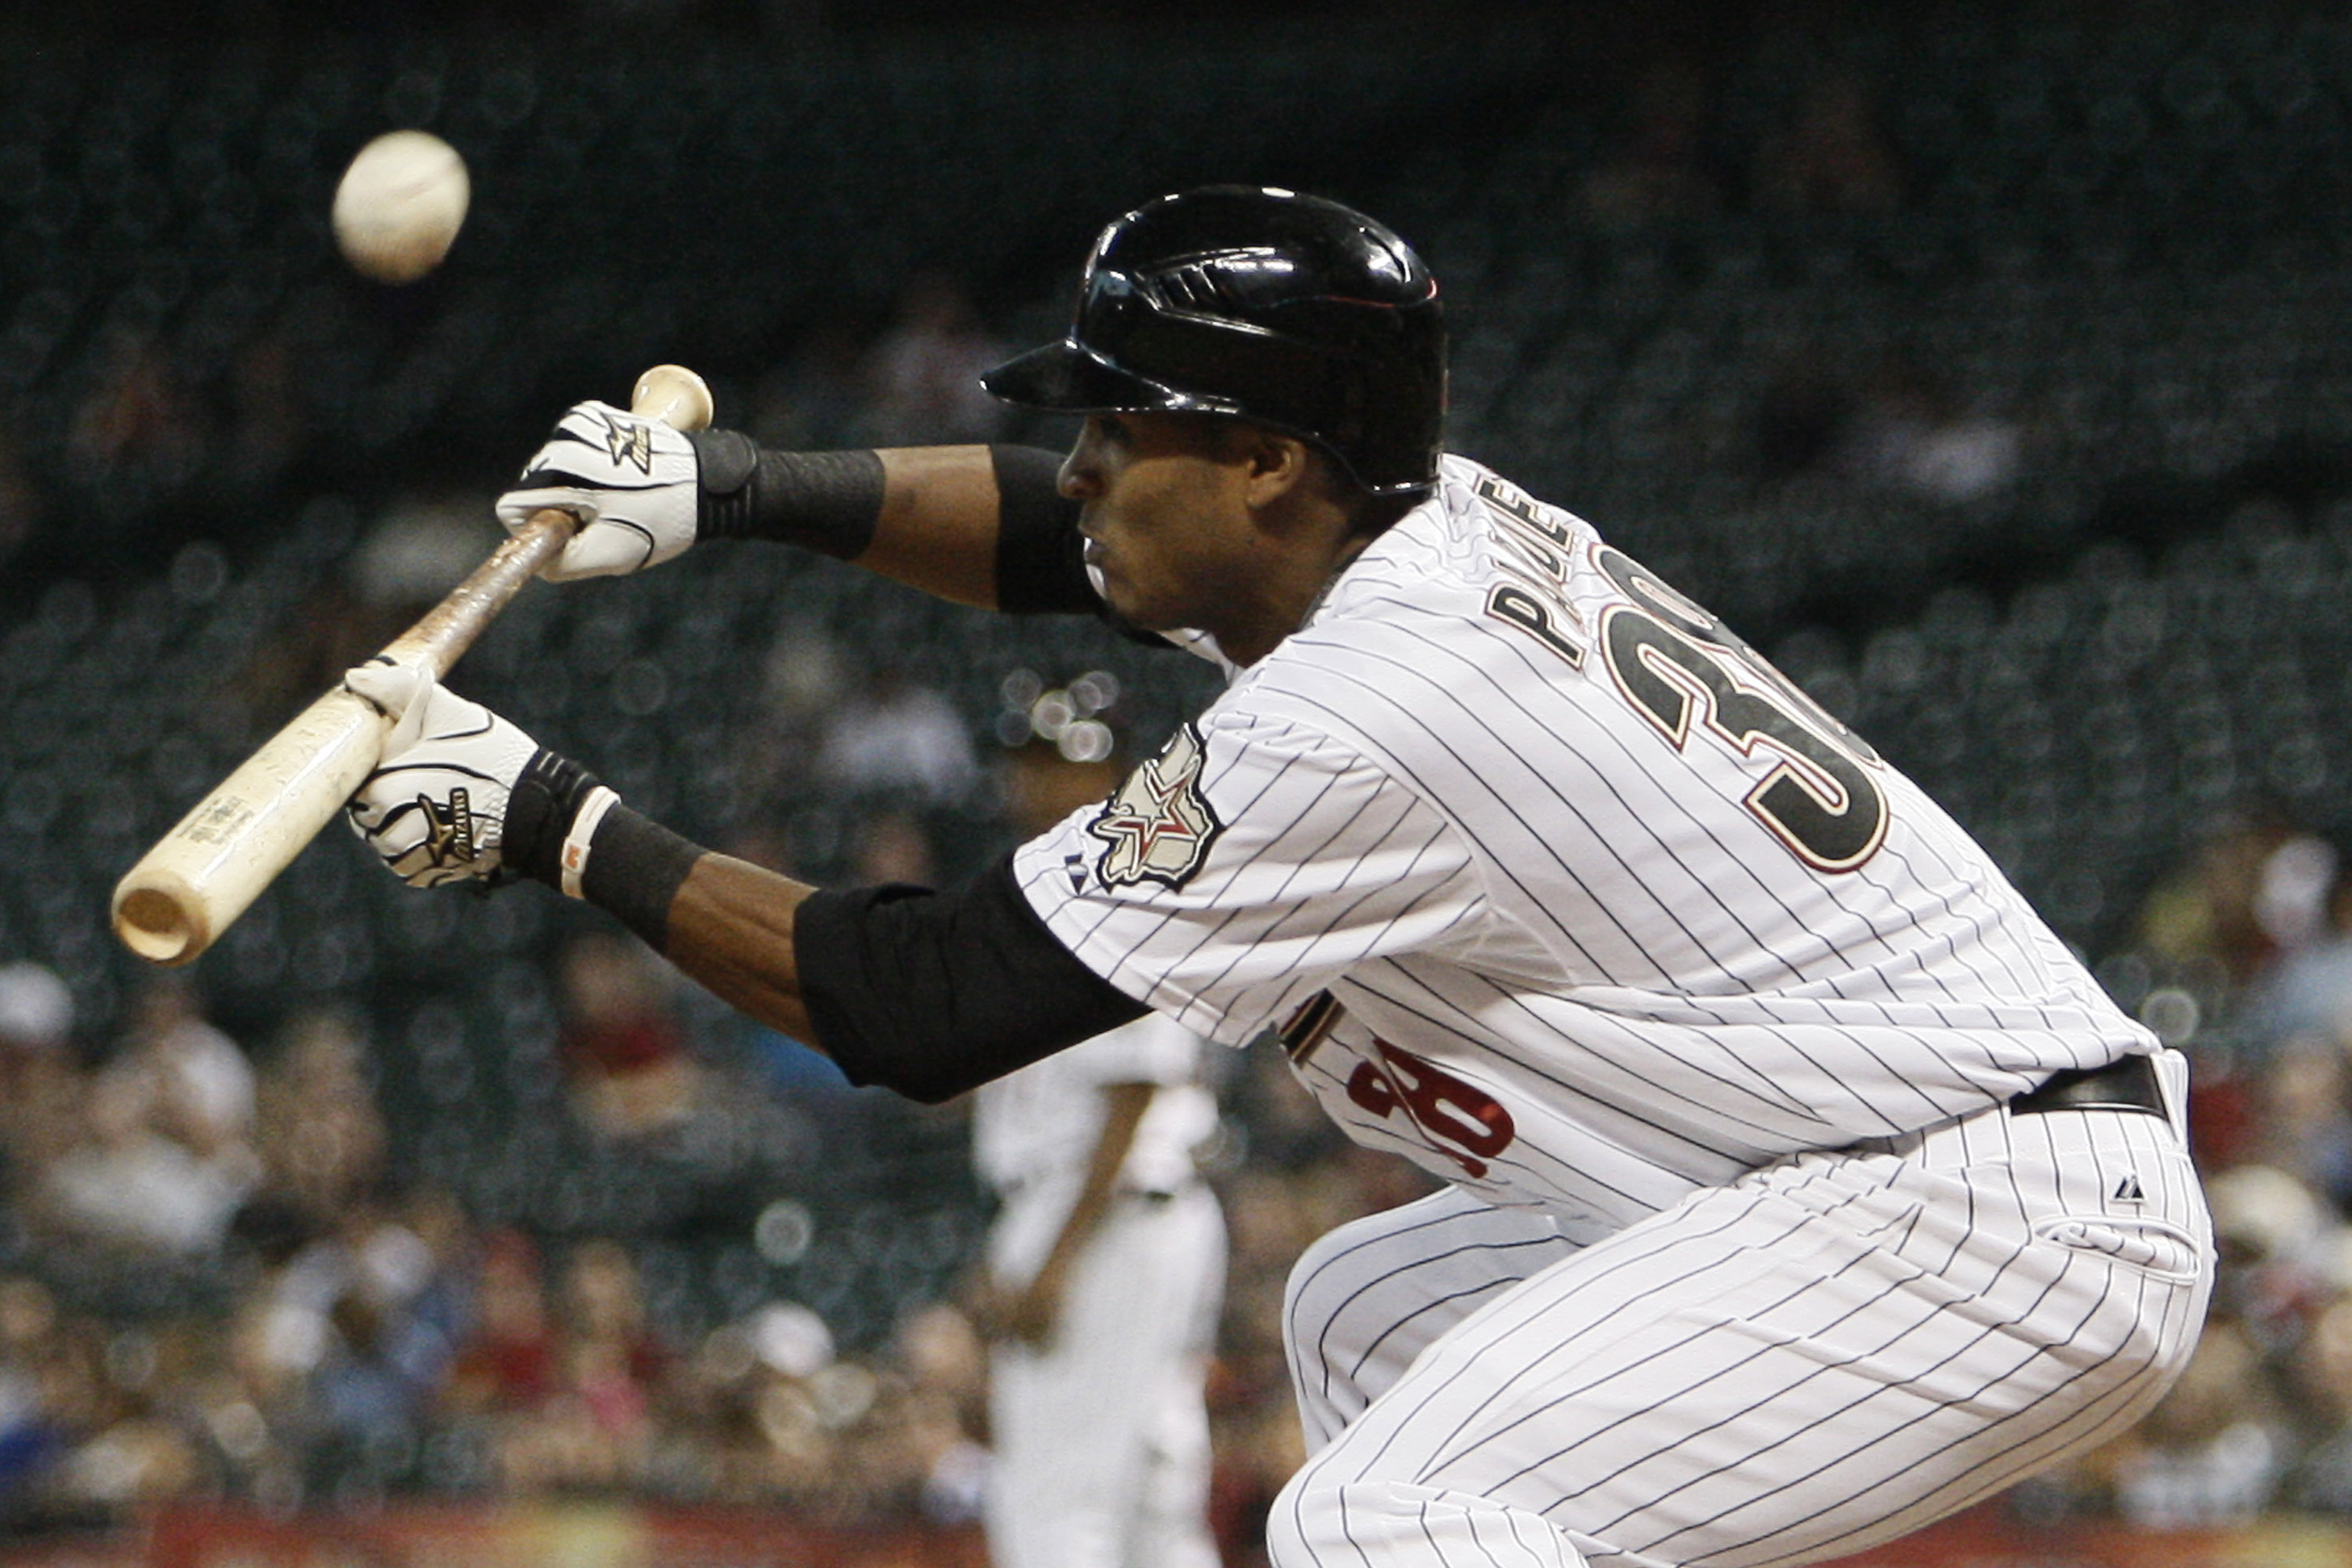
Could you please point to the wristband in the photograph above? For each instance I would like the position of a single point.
(563, 827)
(541, 810)
(575, 861)
(635, 872)
(825, 501)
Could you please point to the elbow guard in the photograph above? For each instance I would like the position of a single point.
(934, 994)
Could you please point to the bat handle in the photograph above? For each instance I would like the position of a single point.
(449, 628)
(670, 393)
(674, 395)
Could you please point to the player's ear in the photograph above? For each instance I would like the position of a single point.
(1279, 465)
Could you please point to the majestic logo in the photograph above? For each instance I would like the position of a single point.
(1159, 826)
(630, 443)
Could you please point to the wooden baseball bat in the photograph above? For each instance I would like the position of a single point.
(204, 874)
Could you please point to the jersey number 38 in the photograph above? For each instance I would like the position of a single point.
(1681, 670)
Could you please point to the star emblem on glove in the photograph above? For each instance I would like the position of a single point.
(448, 830)
(630, 442)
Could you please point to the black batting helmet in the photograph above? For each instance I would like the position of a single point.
(1288, 310)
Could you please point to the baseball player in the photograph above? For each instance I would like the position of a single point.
(1803, 1186)
(1106, 1267)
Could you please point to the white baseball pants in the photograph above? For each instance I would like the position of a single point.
(1824, 1356)
(1102, 1437)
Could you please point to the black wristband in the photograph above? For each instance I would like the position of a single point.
(635, 867)
(540, 812)
(825, 501)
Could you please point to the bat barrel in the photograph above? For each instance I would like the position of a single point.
(161, 919)
(210, 868)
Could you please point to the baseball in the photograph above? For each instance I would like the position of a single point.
(400, 205)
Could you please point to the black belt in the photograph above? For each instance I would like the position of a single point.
(2126, 1085)
(1156, 1196)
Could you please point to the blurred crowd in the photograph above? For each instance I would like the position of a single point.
(360, 1336)
(178, 404)
(1891, 424)
(164, 420)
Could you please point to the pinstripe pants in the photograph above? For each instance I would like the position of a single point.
(1825, 1354)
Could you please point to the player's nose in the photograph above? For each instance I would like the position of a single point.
(1080, 479)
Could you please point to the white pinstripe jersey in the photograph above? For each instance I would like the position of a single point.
(1608, 909)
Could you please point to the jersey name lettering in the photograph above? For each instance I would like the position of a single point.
(1463, 1122)
(1531, 550)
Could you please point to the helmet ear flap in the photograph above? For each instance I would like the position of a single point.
(1288, 310)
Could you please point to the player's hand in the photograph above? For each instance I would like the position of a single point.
(1027, 1315)
(632, 482)
(435, 809)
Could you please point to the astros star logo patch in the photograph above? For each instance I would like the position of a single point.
(1158, 825)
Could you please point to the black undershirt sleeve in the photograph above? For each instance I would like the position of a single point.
(932, 994)
(1040, 563)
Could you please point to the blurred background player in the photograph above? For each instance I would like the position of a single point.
(1106, 1268)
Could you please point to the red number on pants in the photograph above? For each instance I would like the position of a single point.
(1460, 1122)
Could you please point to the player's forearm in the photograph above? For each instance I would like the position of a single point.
(924, 515)
(983, 526)
(937, 530)
(726, 923)
(730, 928)
(927, 993)
(1123, 1108)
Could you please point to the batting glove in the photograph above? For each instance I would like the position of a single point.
(435, 809)
(632, 482)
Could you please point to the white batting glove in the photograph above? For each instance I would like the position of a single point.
(632, 482)
(435, 809)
